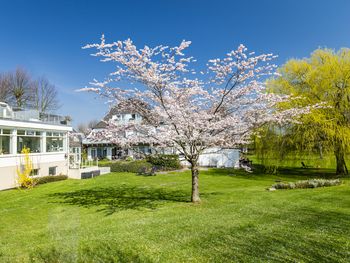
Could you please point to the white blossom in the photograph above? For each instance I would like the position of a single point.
(184, 111)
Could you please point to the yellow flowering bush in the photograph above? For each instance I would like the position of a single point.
(24, 170)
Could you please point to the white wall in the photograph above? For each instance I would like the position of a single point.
(41, 161)
(217, 157)
(37, 158)
(9, 163)
(76, 173)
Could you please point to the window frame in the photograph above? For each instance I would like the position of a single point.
(34, 172)
(6, 135)
(55, 135)
(55, 170)
(29, 133)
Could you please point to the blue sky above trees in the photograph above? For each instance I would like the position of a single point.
(45, 37)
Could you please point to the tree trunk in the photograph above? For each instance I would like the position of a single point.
(320, 148)
(195, 184)
(339, 155)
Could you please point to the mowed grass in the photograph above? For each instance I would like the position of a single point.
(122, 217)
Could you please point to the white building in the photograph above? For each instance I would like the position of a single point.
(103, 149)
(46, 136)
(213, 157)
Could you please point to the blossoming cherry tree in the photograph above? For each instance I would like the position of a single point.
(183, 109)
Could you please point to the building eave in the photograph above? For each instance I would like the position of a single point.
(33, 125)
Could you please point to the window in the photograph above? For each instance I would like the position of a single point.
(116, 117)
(34, 172)
(74, 149)
(52, 170)
(28, 139)
(5, 141)
(93, 153)
(20, 132)
(54, 141)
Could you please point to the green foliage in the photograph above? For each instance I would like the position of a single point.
(322, 78)
(165, 161)
(161, 161)
(129, 159)
(127, 166)
(49, 179)
(84, 154)
(312, 183)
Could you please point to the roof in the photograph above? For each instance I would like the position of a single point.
(126, 107)
(100, 125)
(75, 139)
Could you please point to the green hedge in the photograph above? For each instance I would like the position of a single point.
(49, 179)
(160, 161)
(165, 161)
(130, 166)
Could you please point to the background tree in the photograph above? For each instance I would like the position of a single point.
(324, 77)
(4, 88)
(86, 128)
(45, 96)
(185, 112)
(21, 88)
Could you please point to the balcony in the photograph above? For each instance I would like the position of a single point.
(6, 112)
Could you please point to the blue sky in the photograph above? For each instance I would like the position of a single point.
(45, 37)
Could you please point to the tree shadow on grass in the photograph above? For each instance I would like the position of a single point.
(299, 235)
(308, 172)
(114, 199)
(259, 170)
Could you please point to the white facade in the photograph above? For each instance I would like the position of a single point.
(106, 150)
(126, 118)
(218, 157)
(48, 143)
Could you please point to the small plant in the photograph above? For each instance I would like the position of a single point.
(24, 170)
(312, 183)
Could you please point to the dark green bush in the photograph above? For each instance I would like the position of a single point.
(164, 161)
(160, 161)
(130, 166)
(49, 179)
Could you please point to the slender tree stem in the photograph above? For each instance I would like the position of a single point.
(195, 184)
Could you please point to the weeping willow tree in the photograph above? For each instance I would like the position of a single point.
(281, 145)
(324, 77)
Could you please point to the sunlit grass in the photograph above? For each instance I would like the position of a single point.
(128, 218)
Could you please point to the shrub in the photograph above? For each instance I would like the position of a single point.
(24, 170)
(161, 162)
(312, 183)
(130, 166)
(165, 161)
(49, 179)
(284, 186)
(129, 159)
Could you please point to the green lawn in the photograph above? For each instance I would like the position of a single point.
(128, 218)
(294, 160)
